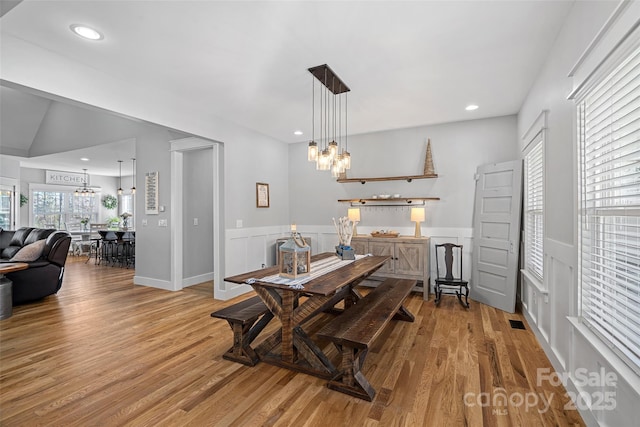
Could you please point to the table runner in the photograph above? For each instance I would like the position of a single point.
(318, 268)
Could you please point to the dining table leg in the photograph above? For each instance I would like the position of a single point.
(288, 350)
(291, 347)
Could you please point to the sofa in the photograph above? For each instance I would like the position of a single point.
(45, 250)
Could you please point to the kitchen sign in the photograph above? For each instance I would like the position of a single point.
(65, 178)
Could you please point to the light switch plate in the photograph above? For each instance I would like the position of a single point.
(162, 223)
(238, 223)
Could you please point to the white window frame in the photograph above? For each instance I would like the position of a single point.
(10, 184)
(94, 216)
(609, 201)
(534, 207)
(126, 203)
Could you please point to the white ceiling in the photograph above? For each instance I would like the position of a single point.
(408, 63)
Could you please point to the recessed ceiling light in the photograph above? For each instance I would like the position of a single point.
(84, 159)
(298, 132)
(471, 107)
(86, 32)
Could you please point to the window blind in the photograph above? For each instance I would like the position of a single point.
(609, 136)
(534, 210)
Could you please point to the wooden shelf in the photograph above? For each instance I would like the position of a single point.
(407, 178)
(407, 200)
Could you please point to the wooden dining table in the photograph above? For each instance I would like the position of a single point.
(291, 346)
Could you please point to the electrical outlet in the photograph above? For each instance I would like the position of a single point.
(162, 223)
(144, 222)
(238, 223)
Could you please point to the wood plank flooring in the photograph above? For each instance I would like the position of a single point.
(104, 352)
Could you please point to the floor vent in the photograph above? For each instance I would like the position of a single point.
(516, 324)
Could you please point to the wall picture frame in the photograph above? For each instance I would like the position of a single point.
(262, 195)
(151, 193)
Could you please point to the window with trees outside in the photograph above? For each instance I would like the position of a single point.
(59, 208)
(609, 190)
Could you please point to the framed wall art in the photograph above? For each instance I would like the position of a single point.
(262, 195)
(151, 193)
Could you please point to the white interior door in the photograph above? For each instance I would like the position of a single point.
(496, 234)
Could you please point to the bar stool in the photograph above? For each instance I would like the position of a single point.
(108, 243)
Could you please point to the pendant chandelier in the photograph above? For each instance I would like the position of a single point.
(120, 190)
(84, 190)
(330, 151)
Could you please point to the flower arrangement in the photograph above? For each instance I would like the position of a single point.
(113, 222)
(109, 202)
(125, 218)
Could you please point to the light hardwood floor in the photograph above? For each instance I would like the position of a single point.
(104, 352)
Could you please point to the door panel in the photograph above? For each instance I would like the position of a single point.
(496, 234)
(361, 248)
(385, 249)
(410, 259)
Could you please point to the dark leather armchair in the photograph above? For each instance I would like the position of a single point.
(44, 276)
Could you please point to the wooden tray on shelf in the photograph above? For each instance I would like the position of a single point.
(378, 234)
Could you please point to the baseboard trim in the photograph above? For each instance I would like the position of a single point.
(153, 283)
(234, 291)
(194, 280)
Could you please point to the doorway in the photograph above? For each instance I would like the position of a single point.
(197, 235)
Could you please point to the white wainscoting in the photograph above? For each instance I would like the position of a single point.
(551, 309)
(546, 305)
(249, 249)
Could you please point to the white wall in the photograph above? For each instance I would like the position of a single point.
(458, 149)
(551, 307)
(67, 127)
(197, 199)
(153, 241)
(9, 167)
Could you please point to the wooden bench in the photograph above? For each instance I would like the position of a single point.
(242, 318)
(354, 331)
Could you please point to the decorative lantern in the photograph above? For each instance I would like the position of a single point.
(295, 257)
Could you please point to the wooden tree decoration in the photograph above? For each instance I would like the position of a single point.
(344, 228)
(428, 161)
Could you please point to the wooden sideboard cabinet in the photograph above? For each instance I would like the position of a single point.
(409, 257)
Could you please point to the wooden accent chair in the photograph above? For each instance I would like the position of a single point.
(450, 282)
